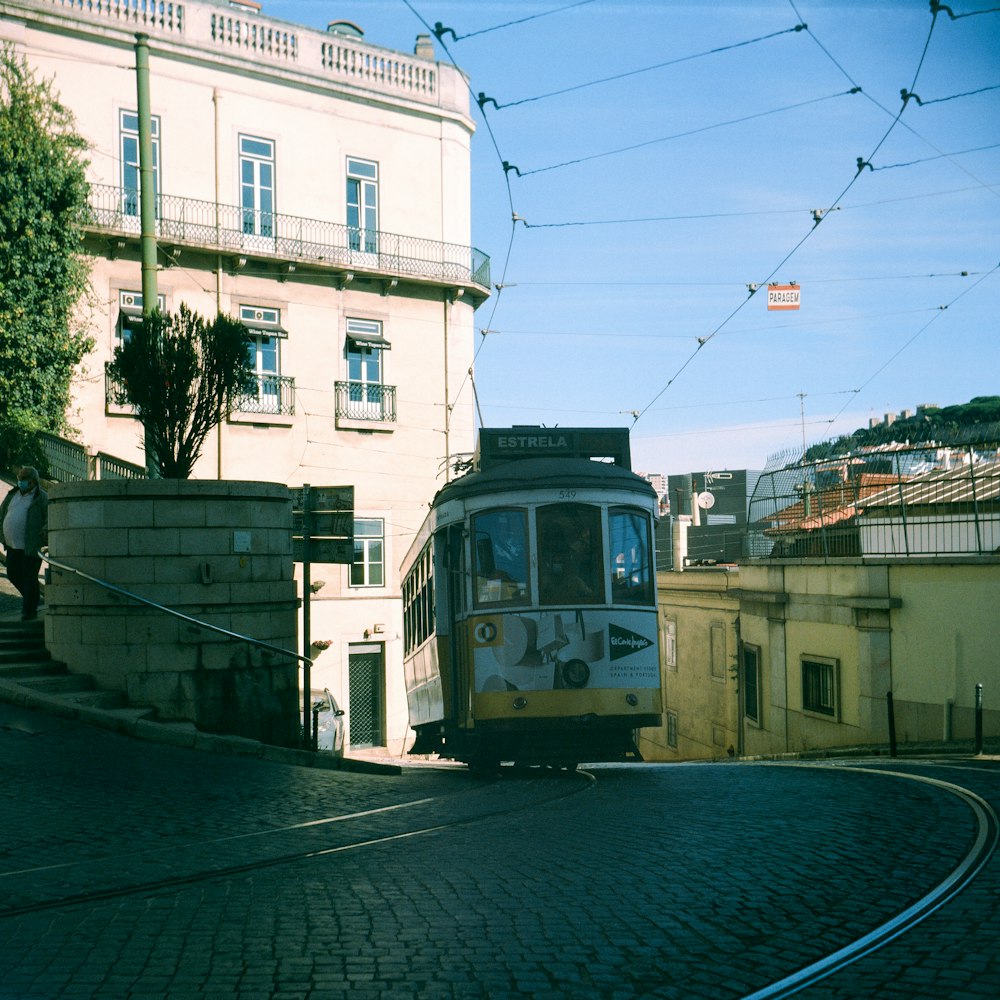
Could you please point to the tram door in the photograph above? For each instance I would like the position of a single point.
(365, 672)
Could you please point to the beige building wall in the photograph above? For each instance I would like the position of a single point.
(921, 629)
(698, 658)
(217, 74)
(943, 645)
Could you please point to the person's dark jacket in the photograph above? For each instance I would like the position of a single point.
(36, 526)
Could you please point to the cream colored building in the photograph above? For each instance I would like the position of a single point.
(790, 655)
(317, 187)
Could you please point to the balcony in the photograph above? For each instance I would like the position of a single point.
(274, 396)
(365, 406)
(291, 241)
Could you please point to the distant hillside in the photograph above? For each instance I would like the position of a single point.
(976, 420)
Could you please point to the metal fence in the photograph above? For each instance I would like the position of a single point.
(69, 462)
(366, 401)
(885, 501)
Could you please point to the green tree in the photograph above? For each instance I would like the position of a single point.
(43, 194)
(184, 376)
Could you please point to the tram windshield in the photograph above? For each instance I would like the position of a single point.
(630, 558)
(570, 563)
(500, 554)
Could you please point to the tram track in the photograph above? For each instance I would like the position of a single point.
(571, 785)
(983, 847)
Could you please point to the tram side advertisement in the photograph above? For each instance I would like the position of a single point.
(575, 649)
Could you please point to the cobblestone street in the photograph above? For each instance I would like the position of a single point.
(135, 870)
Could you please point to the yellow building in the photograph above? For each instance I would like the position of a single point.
(800, 652)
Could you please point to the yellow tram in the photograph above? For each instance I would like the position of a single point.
(529, 596)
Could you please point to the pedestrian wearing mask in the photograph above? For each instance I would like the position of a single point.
(23, 517)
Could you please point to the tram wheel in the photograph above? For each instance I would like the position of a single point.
(484, 766)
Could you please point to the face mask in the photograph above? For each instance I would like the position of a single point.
(22, 485)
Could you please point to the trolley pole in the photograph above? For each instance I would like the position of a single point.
(892, 723)
(979, 719)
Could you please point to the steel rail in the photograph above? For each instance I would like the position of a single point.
(982, 849)
(154, 886)
(115, 589)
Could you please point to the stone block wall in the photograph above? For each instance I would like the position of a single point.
(218, 552)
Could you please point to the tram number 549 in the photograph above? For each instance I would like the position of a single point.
(567, 494)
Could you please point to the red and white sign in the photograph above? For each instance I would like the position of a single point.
(782, 296)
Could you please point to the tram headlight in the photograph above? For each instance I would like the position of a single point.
(575, 673)
(632, 699)
(520, 703)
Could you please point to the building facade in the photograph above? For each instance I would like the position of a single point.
(316, 187)
(876, 575)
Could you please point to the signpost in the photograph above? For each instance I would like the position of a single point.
(322, 532)
(782, 297)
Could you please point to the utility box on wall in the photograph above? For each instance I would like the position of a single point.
(216, 551)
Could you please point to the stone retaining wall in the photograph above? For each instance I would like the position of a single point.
(217, 551)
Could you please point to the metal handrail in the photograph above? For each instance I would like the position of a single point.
(43, 553)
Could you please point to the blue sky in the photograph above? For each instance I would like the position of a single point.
(651, 200)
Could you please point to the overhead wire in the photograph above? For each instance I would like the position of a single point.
(686, 134)
(636, 72)
(702, 341)
(935, 7)
(515, 218)
(933, 319)
(896, 118)
(940, 156)
(698, 217)
(940, 100)
(439, 29)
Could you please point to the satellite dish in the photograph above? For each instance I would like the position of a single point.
(706, 501)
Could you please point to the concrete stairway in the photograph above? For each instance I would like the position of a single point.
(28, 674)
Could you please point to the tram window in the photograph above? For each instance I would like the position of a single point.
(500, 552)
(631, 562)
(570, 565)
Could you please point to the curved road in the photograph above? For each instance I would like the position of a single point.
(134, 870)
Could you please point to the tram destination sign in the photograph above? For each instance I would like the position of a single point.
(323, 515)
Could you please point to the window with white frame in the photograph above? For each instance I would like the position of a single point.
(128, 138)
(751, 682)
(264, 352)
(368, 567)
(365, 368)
(257, 186)
(130, 314)
(819, 685)
(362, 205)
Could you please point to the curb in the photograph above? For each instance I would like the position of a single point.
(134, 723)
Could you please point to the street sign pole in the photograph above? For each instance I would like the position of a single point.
(322, 532)
(306, 633)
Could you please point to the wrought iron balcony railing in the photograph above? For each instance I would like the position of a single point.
(235, 230)
(274, 394)
(366, 401)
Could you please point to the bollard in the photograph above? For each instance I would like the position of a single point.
(892, 724)
(979, 719)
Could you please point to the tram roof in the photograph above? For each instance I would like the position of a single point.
(545, 473)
